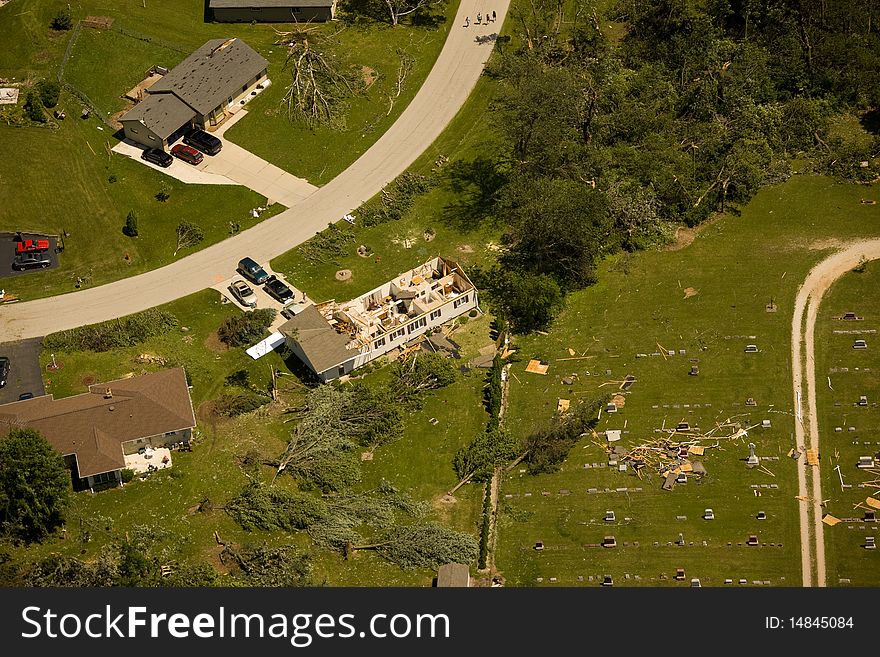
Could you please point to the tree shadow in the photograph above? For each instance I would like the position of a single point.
(476, 184)
(870, 121)
(425, 17)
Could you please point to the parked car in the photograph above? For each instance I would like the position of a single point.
(252, 271)
(157, 156)
(278, 290)
(4, 370)
(31, 246)
(31, 261)
(187, 154)
(243, 292)
(25, 395)
(205, 142)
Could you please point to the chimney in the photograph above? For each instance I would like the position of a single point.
(108, 394)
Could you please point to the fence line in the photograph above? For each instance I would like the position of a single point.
(140, 36)
(73, 37)
(84, 98)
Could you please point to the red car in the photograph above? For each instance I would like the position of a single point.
(187, 154)
(31, 246)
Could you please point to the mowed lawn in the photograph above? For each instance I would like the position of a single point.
(708, 299)
(59, 180)
(846, 430)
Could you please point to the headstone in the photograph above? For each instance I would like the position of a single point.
(753, 460)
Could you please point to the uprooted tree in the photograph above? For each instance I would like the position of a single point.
(413, 376)
(423, 546)
(477, 460)
(188, 234)
(548, 447)
(320, 81)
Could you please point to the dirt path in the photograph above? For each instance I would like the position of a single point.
(803, 359)
(441, 96)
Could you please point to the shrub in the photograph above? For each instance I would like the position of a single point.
(245, 328)
(116, 333)
(49, 91)
(62, 21)
(127, 475)
(33, 107)
(131, 224)
(239, 403)
(484, 528)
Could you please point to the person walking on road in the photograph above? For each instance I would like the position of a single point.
(479, 19)
(467, 21)
(493, 15)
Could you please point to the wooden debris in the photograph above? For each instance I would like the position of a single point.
(537, 367)
(813, 457)
(563, 405)
(830, 520)
(873, 503)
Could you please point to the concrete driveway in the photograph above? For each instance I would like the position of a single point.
(25, 374)
(263, 298)
(439, 99)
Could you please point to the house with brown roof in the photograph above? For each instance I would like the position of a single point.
(199, 92)
(97, 430)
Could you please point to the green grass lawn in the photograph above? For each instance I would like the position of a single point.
(734, 267)
(852, 373)
(59, 181)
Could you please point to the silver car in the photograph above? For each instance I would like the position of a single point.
(243, 292)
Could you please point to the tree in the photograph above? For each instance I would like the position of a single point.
(412, 376)
(164, 192)
(477, 460)
(188, 234)
(529, 302)
(269, 508)
(131, 224)
(34, 486)
(246, 328)
(547, 448)
(33, 107)
(319, 456)
(262, 566)
(62, 21)
(424, 546)
(392, 10)
(49, 91)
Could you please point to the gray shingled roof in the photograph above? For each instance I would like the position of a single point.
(453, 574)
(323, 346)
(213, 73)
(247, 4)
(94, 426)
(161, 113)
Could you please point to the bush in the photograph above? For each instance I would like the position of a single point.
(484, 528)
(62, 21)
(245, 328)
(124, 332)
(33, 107)
(131, 224)
(49, 91)
(239, 403)
(127, 475)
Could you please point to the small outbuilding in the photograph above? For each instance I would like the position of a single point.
(455, 575)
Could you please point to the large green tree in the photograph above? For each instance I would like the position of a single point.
(34, 486)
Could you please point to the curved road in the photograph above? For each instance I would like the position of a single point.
(803, 325)
(444, 91)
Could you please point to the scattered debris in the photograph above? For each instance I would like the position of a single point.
(537, 367)
(830, 520)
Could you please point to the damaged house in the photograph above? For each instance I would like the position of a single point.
(333, 339)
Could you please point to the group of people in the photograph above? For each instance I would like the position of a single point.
(489, 19)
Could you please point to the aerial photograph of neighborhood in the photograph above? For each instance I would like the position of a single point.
(439, 293)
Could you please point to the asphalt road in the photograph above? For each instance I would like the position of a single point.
(24, 370)
(445, 90)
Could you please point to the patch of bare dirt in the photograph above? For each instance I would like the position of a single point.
(684, 235)
(213, 557)
(215, 344)
(89, 380)
(465, 248)
(824, 244)
(369, 76)
(690, 292)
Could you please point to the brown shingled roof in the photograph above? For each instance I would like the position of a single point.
(94, 425)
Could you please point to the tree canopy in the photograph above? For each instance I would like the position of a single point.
(34, 486)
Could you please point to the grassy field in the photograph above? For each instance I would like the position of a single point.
(708, 299)
(851, 373)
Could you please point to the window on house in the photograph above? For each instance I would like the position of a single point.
(397, 334)
(416, 325)
(460, 301)
(435, 314)
(104, 478)
(341, 371)
(379, 343)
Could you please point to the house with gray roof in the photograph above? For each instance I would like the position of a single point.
(200, 92)
(97, 430)
(333, 338)
(272, 11)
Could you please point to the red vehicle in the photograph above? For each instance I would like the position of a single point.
(31, 246)
(187, 154)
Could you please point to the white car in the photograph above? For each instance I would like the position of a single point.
(243, 292)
